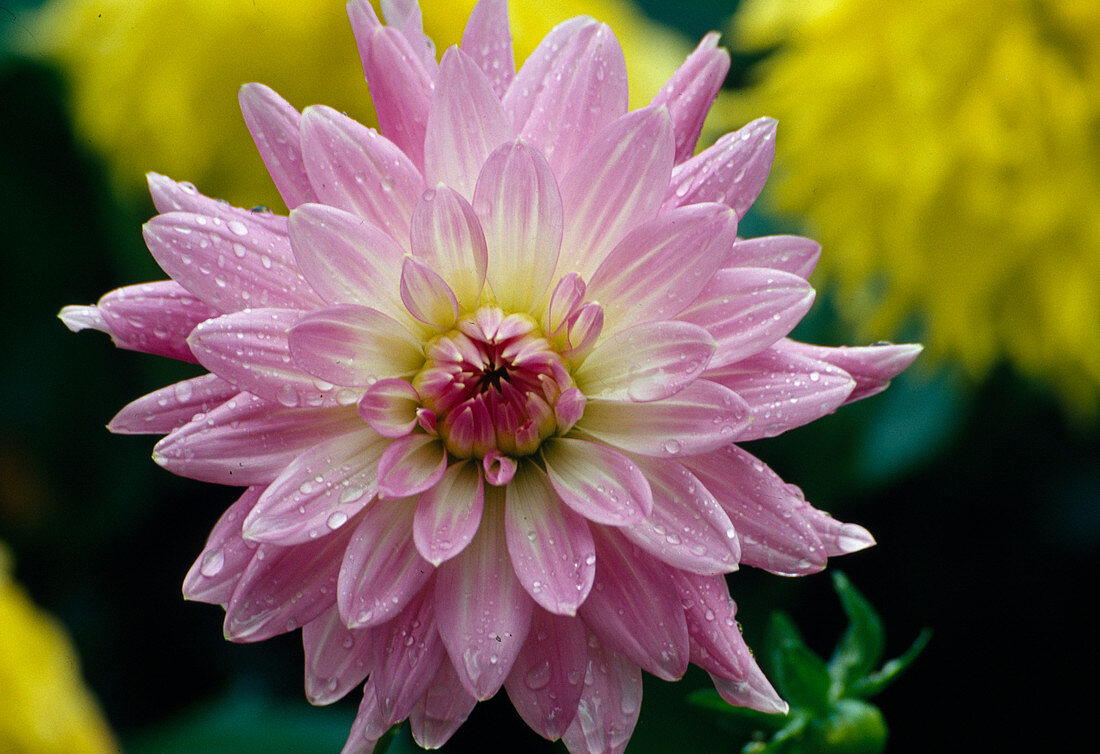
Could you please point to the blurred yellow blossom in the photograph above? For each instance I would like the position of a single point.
(948, 159)
(44, 707)
(154, 82)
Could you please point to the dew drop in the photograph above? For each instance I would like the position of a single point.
(238, 228)
(337, 519)
(212, 563)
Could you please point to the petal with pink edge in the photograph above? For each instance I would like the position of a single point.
(596, 481)
(426, 295)
(447, 515)
(634, 608)
(319, 492)
(405, 16)
(171, 407)
(441, 710)
(337, 658)
(274, 124)
(690, 92)
(447, 235)
(465, 124)
(406, 655)
(550, 545)
(519, 206)
(172, 196)
(488, 40)
(411, 465)
(216, 571)
(793, 254)
(754, 692)
(701, 417)
(482, 609)
(390, 407)
(154, 318)
(546, 682)
(381, 569)
(872, 367)
(368, 727)
(610, 705)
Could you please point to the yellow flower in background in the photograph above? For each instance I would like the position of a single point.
(154, 82)
(44, 707)
(948, 159)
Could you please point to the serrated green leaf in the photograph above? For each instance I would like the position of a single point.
(862, 645)
(875, 682)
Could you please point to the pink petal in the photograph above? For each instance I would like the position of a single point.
(609, 706)
(390, 407)
(171, 196)
(273, 123)
(616, 184)
(565, 301)
(171, 407)
(688, 528)
(550, 546)
(426, 295)
(465, 124)
(381, 569)
(596, 481)
(447, 236)
(522, 96)
(230, 265)
(347, 260)
(754, 692)
(701, 417)
(216, 571)
(783, 390)
(765, 511)
(353, 346)
(488, 40)
(353, 168)
(483, 611)
(634, 608)
(792, 254)
(153, 318)
(715, 637)
(657, 270)
(690, 92)
(447, 515)
(411, 465)
(247, 440)
(519, 206)
(747, 310)
(337, 657)
(646, 362)
(368, 727)
(319, 491)
(405, 16)
(872, 367)
(441, 710)
(838, 538)
(731, 172)
(546, 682)
(406, 654)
(283, 588)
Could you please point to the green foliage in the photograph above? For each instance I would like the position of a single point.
(829, 713)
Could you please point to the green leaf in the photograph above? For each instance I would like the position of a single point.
(801, 677)
(862, 645)
(876, 682)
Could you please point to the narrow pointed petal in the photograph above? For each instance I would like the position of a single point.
(746, 310)
(353, 168)
(171, 407)
(872, 367)
(646, 362)
(550, 545)
(688, 528)
(701, 417)
(426, 295)
(411, 465)
(610, 705)
(838, 538)
(465, 124)
(347, 260)
(616, 184)
(368, 727)
(793, 254)
(216, 571)
(353, 346)
(596, 481)
(447, 236)
(634, 608)
(715, 637)
(566, 299)
(521, 99)
(405, 16)
(519, 206)
(546, 682)
(441, 710)
(153, 318)
(447, 515)
(406, 655)
(180, 196)
(390, 407)
(731, 172)
(754, 692)
(783, 390)
(274, 125)
(319, 492)
(657, 270)
(337, 658)
(690, 92)
(488, 40)
(483, 611)
(765, 511)
(247, 440)
(230, 265)
(381, 569)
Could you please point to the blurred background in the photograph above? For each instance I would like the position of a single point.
(946, 154)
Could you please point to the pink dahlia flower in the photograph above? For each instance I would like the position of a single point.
(484, 384)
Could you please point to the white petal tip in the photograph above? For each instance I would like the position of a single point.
(78, 318)
(853, 538)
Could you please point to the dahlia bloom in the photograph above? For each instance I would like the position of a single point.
(484, 384)
(959, 181)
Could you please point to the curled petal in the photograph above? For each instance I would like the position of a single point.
(447, 236)
(390, 407)
(567, 297)
(426, 295)
(410, 465)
